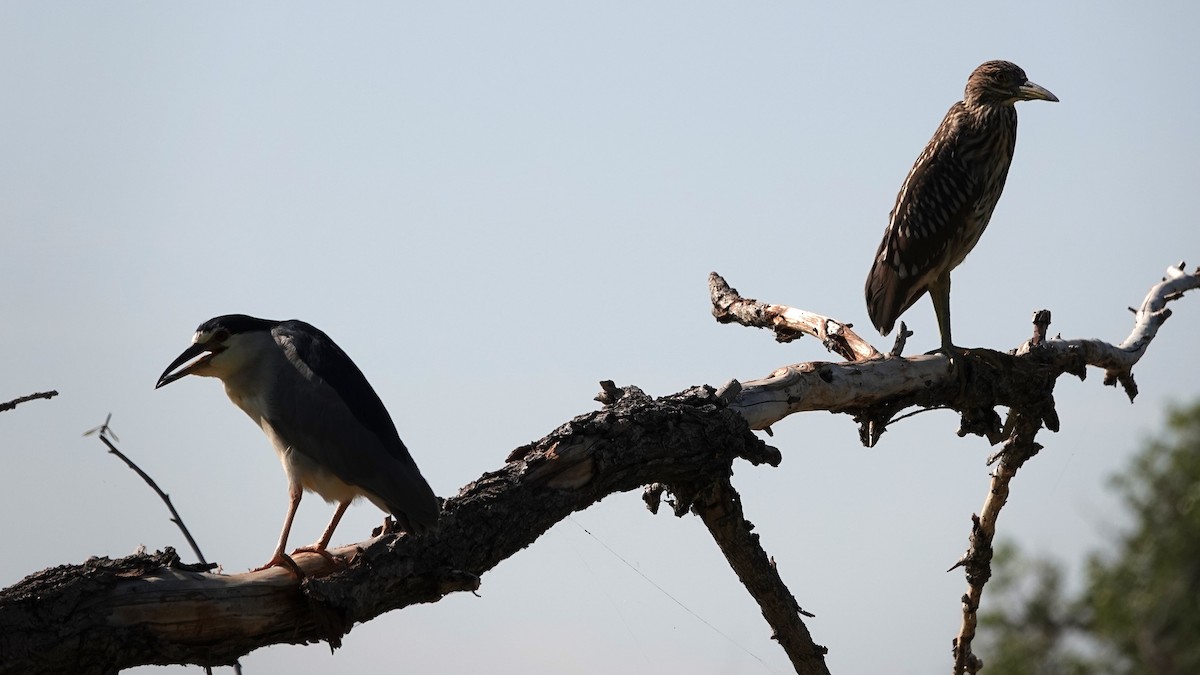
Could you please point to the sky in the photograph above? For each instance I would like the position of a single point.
(492, 207)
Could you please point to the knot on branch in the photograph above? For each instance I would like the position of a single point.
(993, 379)
(981, 421)
(610, 393)
(652, 495)
(977, 561)
(902, 335)
(965, 661)
(685, 439)
(1124, 377)
(978, 381)
(97, 571)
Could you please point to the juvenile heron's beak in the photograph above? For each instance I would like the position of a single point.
(188, 354)
(1030, 91)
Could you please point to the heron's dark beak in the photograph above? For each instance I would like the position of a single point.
(1030, 91)
(188, 354)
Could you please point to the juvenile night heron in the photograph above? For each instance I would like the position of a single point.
(331, 431)
(948, 197)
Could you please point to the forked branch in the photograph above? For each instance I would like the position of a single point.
(876, 389)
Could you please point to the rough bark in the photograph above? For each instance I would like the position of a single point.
(105, 615)
(720, 507)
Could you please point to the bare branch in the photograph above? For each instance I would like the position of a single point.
(788, 323)
(1117, 361)
(879, 384)
(104, 431)
(9, 405)
(720, 507)
(977, 561)
(902, 335)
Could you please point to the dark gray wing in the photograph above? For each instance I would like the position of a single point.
(345, 427)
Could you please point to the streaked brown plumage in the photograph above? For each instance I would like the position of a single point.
(948, 197)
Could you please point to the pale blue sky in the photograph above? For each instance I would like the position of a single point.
(492, 207)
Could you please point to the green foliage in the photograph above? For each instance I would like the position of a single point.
(1140, 609)
(1031, 627)
(1145, 598)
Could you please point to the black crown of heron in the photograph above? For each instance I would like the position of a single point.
(948, 198)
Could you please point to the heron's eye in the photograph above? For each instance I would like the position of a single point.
(219, 335)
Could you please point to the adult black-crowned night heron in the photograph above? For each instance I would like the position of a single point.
(948, 197)
(331, 431)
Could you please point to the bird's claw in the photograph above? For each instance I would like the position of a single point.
(282, 560)
(321, 551)
(955, 356)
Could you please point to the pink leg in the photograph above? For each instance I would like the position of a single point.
(295, 492)
(320, 546)
(337, 518)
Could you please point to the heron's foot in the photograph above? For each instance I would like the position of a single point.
(960, 366)
(953, 353)
(321, 551)
(282, 560)
(958, 359)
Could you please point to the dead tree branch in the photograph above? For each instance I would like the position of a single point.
(720, 507)
(1117, 362)
(788, 323)
(9, 405)
(152, 609)
(876, 389)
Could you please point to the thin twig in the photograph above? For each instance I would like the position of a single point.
(918, 411)
(977, 561)
(104, 432)
(9, 405)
